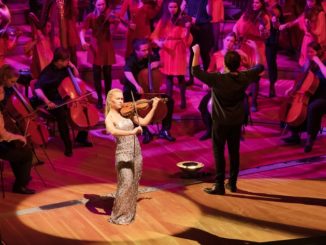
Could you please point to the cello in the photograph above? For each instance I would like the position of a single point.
(150, 80)
(294, 112)
(82, 113)
(26, 117)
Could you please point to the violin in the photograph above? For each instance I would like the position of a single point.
(82, 113)
(183, 19)
(142, 107)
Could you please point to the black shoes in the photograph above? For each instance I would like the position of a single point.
(206, 135)
(231, 187)
(23, 190)
(190, 82)
(215, 190)
(147, 137)
(293, 140)
(68, 153)
(272, 92)
(165, 134)
(85, 143)
(309, 144)
(254, 107)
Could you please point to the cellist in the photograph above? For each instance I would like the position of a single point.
(46, 89)
(317, 104)
(19, 156)
(135, 63)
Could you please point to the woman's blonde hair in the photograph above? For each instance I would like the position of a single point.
(108, 99)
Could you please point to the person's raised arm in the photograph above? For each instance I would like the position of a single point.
(205, 77)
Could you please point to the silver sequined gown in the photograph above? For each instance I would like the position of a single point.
(128, 163)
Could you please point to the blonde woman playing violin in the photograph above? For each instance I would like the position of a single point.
(128, 158)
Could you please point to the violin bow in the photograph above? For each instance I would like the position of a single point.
(134, 104)
(137, 116)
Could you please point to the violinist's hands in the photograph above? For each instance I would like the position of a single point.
(132, 26)
(85, 45)
(283, 27)
(137, 130)
(251, 44)
(196, 49)
(155, 102)
(50, 105)
(261, 27)
(188, 25)
(160, 43)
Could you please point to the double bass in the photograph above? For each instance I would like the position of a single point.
(294, 111)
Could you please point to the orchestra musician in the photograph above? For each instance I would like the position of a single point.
(135, 63)
(174, 38)
(254, 24)
(100, 49)
(317, 103)
(13, 147)
(46, 89)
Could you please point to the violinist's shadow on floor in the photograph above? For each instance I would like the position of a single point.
(102, 205)
(97, 204)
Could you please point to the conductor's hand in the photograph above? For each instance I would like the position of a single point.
(251, 44)
(283, 27)
(137, 130)
(155, 102)
(85, 45)
(196, 49)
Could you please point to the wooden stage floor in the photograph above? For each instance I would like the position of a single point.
(281, 198)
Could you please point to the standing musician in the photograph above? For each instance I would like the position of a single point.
(173, 38)
(135, 63)
(276, 18)
(201, 30)
(13, 147)
(100, 49)
(8, 36)
(46, 89)
(141, 13)
(254, 25)
(317, 104)
(128, 157)
(312, 22)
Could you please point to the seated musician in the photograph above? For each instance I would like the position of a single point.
(46, 89)
(13, 147)
(317, 104)
(135, 63)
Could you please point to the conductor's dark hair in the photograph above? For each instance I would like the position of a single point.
(232, 60)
